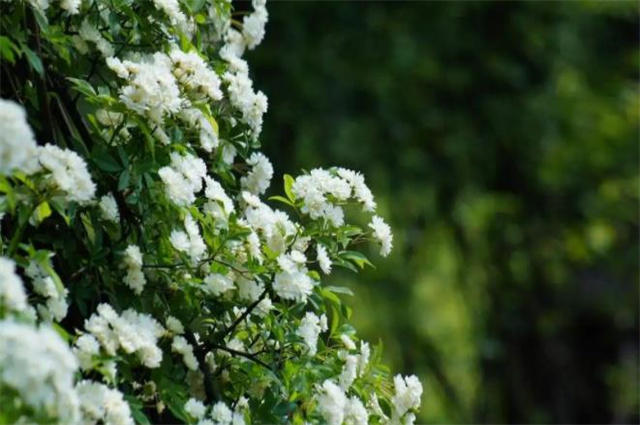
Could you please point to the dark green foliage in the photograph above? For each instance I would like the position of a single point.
(506, 138)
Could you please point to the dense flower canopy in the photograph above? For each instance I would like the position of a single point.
(142, 277)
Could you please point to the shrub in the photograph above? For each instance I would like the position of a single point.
(144, 276)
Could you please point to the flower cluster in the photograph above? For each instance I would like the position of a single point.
(142, 203)
(132, 332)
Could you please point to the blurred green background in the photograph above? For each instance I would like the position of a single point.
(501, 141)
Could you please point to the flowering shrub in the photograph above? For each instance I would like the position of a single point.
(144, 278)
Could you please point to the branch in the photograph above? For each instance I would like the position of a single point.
(244, 314)
(249, 356)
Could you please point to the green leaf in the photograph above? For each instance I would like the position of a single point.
(340, 290)
(83, 87)
(34, 60)
(123, 181)
(106, 162)
(281, 199)
(357, 258)
(42, 211)
(7, 49)
(288, 183)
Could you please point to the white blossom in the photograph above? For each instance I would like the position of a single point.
(17, 142)
(174, 325)
(217, 284)
(251, 104)
(109, 208)
(348, 342)
(86, 346)
(194, 74)
(101, 404)
(134, 278)
(132, 331)
(172, 9)
(253, 24)
(355, 413)
(181, 346)
(221, 414)
(408, 391)
(151, 89)
(363, 358)
(195, 408)
(189, 242)
(349, 372)
(68, 171)
(183, 178)
(12, 295)
(89, 32)
(56, 305)
(248, 289)
(382, 233)
(323, 259)
(259, 178)
(273, 226)
(39, 366)
(295, 285)
(309, 330)
(331, 402)
(71, 6)
(318, 190)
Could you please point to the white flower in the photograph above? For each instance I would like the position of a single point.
(88, 32)
(253, 24)
(264, 307)
(217, 284)
(12, 295)
(134, 278)
(249, 290)
(86, 347)
(172, 9)
(382, 233)
(220, 205)
(363, 358)
(323, 259)
(109, 208)
(39, 366)
(251, 104)
(194, 73)
(408, 391)
(309, 330)
(360, 190)
(318, 189)
(132, 331)
(355, 412)
(293, 285)
(69, 172)
(331, 402)
(101, 404)
(17, 143)
(183, 178)
(273, 226)
(190, 242)
(56, 305)
(347, 342)
(174, 325)
(195, 408)
(349, 372)
(259, 178)
(181, 346)
(71, 6)
(152, 89)
(221, 414)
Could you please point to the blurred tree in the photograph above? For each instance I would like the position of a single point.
(506, 137)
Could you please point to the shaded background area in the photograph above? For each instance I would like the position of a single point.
(501, 141)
